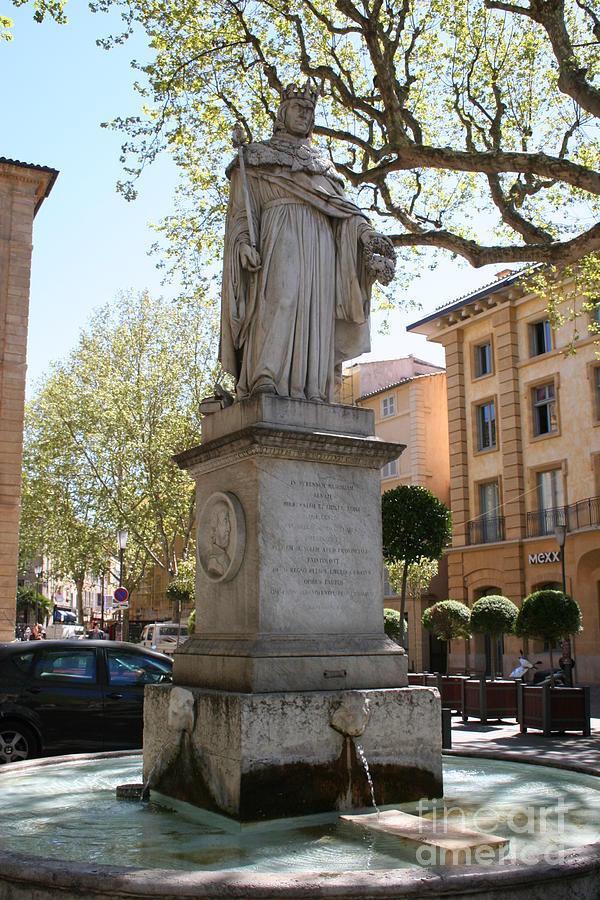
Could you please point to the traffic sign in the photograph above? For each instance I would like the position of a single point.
(121, 595)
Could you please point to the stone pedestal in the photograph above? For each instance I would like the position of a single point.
(290, 670)
(289, 591)
(270, 755)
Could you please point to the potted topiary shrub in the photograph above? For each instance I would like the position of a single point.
(483, 699)
(493, 615)
(449, 620)
(551, 615)
(392, 625)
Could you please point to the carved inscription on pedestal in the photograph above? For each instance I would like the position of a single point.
(326, 554)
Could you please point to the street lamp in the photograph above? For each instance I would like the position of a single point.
(122, 536)
(560, 533)
(102, 600)
(38, 574)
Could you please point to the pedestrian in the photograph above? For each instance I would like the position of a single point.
(96, 633)
(36, 633)
(566, 662)
(27, 634)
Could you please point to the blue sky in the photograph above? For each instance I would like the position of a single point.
(89, 243)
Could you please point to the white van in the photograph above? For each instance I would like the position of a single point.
(162, 636)
(64, 631)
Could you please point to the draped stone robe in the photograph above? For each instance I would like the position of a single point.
(286, 327)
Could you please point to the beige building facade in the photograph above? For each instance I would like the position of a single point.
(408, 398)
(23, 188)
(524, 430)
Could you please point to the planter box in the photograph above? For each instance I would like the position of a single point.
(421, 679)
(450, 688)
(554, 709)
(485, 700)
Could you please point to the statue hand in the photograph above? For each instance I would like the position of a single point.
(378, 243)
(379, 256)
(250, 258)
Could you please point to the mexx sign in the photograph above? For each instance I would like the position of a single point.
(546, 556)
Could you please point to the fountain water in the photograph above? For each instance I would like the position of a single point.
(547, 815)
(363, 759)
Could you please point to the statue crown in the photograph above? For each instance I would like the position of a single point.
(310, 92)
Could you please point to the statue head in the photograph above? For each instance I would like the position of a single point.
(296, 114)
(220, 525)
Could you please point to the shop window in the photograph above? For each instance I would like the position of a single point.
(486, 426)
(540, 337)
(544, 409)
(483, 359)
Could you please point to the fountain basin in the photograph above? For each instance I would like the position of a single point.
(66, 835)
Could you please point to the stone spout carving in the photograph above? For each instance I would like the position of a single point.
(181, 710)
(299, 263)
(351, 716)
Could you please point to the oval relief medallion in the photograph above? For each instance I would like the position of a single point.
(221, 536)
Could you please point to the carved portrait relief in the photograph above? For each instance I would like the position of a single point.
(221, 537)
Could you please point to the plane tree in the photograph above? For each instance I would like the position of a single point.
(469, 127)
(100, 436)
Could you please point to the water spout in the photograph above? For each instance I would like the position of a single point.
(181, 720)
(363, 759)
(168, 754)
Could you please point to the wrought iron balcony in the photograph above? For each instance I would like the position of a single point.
(583, 514)
(485, 530)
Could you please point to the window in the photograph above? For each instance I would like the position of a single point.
(540, 337)
(550, 500)
(388, 590)
(550, 489)
(544, 409)
(489, 508)
(483, 359)
(388, 406)
(390, 469)
(22, 662)
(486, 426)
(66, 665)
(594, 314)
(597, 391)
(133, 668)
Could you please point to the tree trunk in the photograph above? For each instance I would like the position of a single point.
(493, 648)
(79, 593)
(551, 665)
(403, 600)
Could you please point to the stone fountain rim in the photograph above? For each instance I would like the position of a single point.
(20, 872)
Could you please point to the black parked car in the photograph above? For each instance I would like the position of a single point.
(74, 696)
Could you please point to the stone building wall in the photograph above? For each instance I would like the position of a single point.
(23, 188)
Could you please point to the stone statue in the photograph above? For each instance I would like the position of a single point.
(300, 260)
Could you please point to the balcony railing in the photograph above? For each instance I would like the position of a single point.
(485, 530)
(583, 514)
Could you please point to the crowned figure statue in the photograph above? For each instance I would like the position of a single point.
(299, 263)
